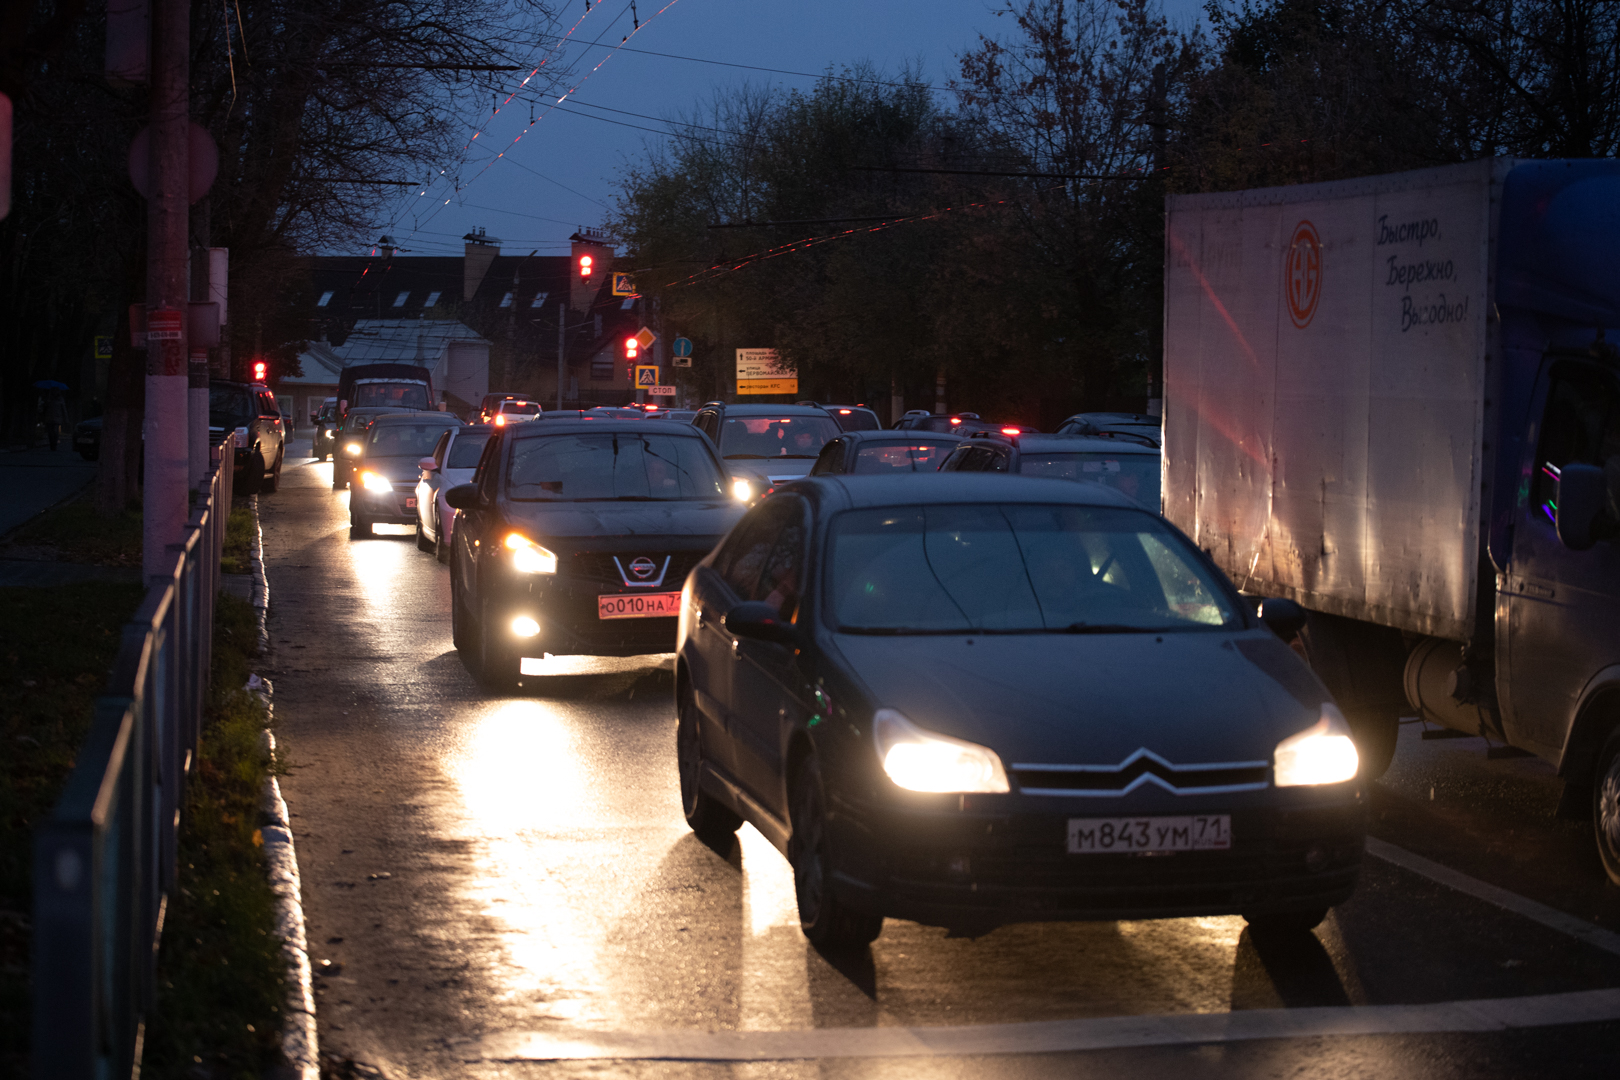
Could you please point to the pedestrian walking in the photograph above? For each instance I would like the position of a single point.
(55, 411)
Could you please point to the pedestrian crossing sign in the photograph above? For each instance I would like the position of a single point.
(646, 375)
(623, 286)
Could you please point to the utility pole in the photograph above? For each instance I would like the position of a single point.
(562, 350)
(164, 504)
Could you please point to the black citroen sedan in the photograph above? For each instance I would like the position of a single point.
(976, 700)
(575, 537)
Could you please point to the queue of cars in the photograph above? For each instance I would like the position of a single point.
(966, 700)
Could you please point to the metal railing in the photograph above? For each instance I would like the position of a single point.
(105, 860)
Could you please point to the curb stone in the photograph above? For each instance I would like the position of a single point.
(261, 586)
(299, 1043)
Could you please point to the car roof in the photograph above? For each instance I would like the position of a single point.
(629, 425)
(777, 410)
(1078, 444)
(906, 435)
(913, 489)
(450, 419)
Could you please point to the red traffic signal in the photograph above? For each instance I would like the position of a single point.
(585, 262)
(631, 345)
(261, 371)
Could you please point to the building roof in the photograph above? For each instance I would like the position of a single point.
(378, 341)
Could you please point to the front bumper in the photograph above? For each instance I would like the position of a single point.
(1009, 862)
(396, 507)
(565, 606)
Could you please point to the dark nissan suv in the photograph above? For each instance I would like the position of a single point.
(575, 537)
(250, 410)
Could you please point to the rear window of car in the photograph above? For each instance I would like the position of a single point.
(776, 436)
(855, 420)
(1017, 568)
(919, 455)
(1136, 475)
(406, 395)
(466, 450)
(403, 440)
(612, 465)
(230, 406)
(520, 408)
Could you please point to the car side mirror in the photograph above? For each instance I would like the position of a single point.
(1581, 492)
(760, 621)
(1282, 617)
(462, 497)
(427, 464)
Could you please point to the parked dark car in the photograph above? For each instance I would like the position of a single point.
(763, 445)
(971, 701)
(884, 452)
(351, 441)
(850, 417)
(326, 422)
(387, 467)
(250, 410)
(1115, 423)
(1127, 464)
(966, 423)
(575, 537)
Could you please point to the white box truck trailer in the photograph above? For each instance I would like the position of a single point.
(1396, 401)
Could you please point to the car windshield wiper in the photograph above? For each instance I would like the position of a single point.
(748, 457)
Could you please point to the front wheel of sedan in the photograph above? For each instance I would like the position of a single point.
(497, 660)
(830, 925)
(422, 542)
(1285, 924)
(359, 527)
(460, 632)
(441, 546)
(712, 822)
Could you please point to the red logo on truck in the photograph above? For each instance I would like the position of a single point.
(1302, 273)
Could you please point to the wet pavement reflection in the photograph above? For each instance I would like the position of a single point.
(476, 865)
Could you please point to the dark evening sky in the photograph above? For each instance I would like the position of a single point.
(560, 174)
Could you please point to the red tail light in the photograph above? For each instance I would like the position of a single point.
(1009, 431)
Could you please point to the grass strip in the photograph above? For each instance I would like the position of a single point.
(220, 976)
(77, 532)
(239, 530)
(56, 647)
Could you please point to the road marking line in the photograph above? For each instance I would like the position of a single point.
(1058, 1036)
(1578, 928)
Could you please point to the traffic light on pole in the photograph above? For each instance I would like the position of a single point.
(585, 264)
(261, 371)
(632, 348)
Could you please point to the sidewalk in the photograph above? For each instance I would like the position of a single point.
(35, 480)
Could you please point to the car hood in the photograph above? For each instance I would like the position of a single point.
(396, 469)
(1094, 699)
(706, 519)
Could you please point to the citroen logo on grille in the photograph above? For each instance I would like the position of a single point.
(643, 568)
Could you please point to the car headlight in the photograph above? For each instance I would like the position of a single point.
(919, 760)
(1323, 753)
(529, 557)
(741, 489)
(372, 482)
(352, 449)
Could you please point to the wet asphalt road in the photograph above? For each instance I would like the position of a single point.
(498, 881)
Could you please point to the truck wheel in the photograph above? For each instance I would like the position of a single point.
(1606, 805)
(1361, 665)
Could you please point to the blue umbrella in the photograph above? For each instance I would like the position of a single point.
(50, 384)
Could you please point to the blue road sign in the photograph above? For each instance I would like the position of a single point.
(682, 347)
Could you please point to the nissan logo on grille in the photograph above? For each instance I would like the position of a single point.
(643, 568)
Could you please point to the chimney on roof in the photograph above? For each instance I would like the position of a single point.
(479, 252)
(387, 247)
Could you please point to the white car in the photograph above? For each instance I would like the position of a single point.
(454, 460)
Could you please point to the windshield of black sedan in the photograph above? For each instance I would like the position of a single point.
(612, 465)
(776, 436)
(1016, 568)
(403, 440)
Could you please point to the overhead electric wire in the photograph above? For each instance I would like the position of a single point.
(783, 71)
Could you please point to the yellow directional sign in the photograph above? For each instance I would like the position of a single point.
(646, 375)
(623, 286)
